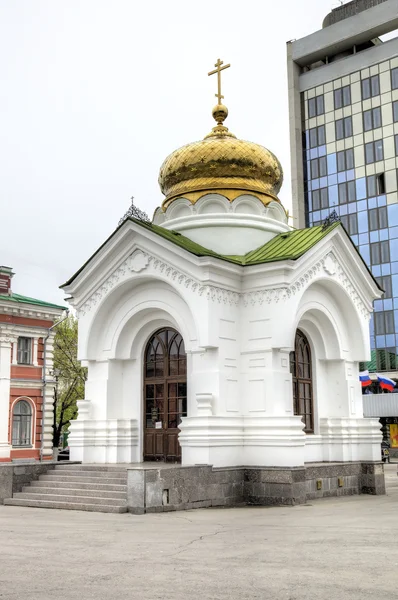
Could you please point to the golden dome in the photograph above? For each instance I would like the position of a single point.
(223, 164)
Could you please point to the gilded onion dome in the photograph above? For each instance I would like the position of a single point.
(220, 163)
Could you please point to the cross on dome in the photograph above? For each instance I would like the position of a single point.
(218, 70)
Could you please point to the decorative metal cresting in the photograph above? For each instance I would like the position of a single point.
(332, 218)
(136, 213)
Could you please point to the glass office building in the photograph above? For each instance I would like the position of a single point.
(343, 101)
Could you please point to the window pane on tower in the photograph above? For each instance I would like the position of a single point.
(373, 221)
(369, 153)
(341, 161)
(375, 85)
(313, 138)
(323, 169)
(321, 135)
(316, 204)
(367, 120)
(375, 253)
(394, 78)
(379, 150)
(338, 98)
(351, 191)
(339, 129)
(365, 89)
(379, 323)
(376, 117)
(320, 108)
(389, 321)
(385, 251)
(348, 126)
(395, 111)
(371, 183)
(346, 95)
(342, 193)
(383, 220)
(349, 159)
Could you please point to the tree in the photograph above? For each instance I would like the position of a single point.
(70, 375)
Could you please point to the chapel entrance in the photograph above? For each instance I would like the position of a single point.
(165, 395)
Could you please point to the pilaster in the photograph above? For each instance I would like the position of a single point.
(7, 338)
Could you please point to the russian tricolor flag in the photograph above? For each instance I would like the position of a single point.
(385, 383)
(364, 378)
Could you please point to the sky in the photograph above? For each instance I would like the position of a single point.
(95, 94)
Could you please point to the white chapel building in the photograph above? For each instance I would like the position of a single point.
(219, 335)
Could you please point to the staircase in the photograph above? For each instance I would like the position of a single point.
(77, 487)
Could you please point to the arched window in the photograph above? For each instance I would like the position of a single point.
(22, 424)
(301, 370)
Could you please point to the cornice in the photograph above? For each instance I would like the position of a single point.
(328, 265)
(31, 312)
(139, 261)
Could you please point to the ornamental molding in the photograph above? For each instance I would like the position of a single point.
(30, 313)
(138, 261)
(8, 336)
(328, 264)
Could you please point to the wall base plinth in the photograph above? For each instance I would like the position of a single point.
(227, 441)
(107, 441)
(201, 486)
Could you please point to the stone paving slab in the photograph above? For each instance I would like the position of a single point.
(334, 549)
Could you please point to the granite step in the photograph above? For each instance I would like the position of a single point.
(101, 468)
(88, 473)
(40, 490)
(82, 485)
(70, 478)
(70, 498)
(65, 505)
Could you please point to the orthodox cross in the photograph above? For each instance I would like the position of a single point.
(218, 70)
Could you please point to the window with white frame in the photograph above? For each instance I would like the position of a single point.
(22, 424)
(24, 355)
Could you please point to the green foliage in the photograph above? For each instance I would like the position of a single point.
(71, 376)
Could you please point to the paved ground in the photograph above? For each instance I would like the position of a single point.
(330, 549)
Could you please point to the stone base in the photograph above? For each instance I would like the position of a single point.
(183, 488)
(14, 476)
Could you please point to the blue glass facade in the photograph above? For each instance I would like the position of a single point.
(372, 223)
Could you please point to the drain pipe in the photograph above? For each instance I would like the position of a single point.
(44, 379)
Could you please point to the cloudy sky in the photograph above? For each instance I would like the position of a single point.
(95, 94)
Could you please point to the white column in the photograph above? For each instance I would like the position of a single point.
(15, 352)
(35, 349)
(6, 339)
(48, 400)
(273, 435)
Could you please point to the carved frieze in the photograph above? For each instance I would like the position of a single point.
(140, 260)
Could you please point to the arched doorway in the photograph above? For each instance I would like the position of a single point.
(301, 370)
(165, 395)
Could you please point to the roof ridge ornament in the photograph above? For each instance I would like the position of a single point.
(332, 218)
(134, 212)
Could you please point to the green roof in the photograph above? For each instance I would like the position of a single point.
(26, 300)
(286, 246)
(289, 245)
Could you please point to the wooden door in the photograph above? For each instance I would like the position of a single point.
(165, 395)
